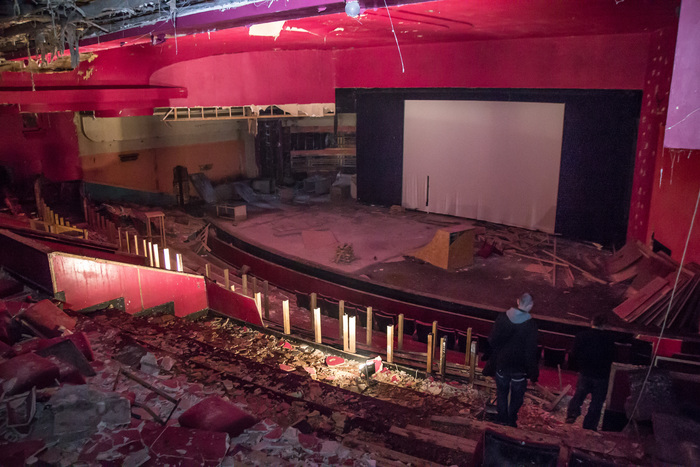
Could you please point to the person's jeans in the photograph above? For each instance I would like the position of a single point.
(598, 389)
(514, 383)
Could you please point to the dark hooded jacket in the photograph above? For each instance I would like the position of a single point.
(513, 343)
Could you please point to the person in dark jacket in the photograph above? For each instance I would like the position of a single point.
(593, 353)
(513, 343)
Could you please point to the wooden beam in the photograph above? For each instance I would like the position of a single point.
(346, 333)
(437, 438)
(390, 343)
(429, 355)
(266, 299)
(585, 273)
(468, 347)
(553, 405)
(387, 456)
(351, 338)
(369, 326)
(285, 317)
(166, 258)
(317, 326)
(443, 356)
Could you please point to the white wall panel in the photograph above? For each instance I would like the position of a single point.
(493, 161)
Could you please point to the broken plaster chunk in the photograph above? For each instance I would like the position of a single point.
(334, 361)
(79, 409)
(167, 363)
(309, 443)
(329, 448)
(49, 319)
(23, 372)
(149, 365)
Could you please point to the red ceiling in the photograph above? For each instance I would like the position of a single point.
(441, 21)
(135, 62)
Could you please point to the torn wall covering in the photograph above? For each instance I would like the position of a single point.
(214, 148)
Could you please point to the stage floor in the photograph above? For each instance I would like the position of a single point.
(383, 241)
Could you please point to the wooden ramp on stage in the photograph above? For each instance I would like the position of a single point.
(451, 248)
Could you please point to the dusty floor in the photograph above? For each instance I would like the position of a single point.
(383, 241)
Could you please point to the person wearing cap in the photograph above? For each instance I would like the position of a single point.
(513, 343)
(593, 353)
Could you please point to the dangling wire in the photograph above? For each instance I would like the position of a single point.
(668, 311)
(173, 13)
(403, 70)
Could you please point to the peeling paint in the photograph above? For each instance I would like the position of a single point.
(87, 73)
(272, 29)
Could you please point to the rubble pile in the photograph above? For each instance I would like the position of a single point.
(110, 389)
(108, 418)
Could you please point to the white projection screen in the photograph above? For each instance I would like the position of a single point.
(492, 161)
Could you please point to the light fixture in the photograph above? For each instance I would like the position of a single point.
(352, 8)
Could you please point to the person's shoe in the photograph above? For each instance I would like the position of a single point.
(570, 420)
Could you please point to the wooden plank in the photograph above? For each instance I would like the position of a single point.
(650, 306)
(544, 260)
(381, 453)
(437, 438)
(631, 304)
(553, 405)
(649, 268)
(625, 274)
(680, 317)
(479, 426)
(545, 392)
(569, 278)
(624, 257)
(585, 273)
(538, 268)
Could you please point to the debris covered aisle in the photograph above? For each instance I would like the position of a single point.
(169, 390)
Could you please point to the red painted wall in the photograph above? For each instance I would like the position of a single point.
(309, 76)
(88, 282)
(217, 73)
(676, 185)
(657, 85)
(260, 78)
(51, 150)
(598, 62)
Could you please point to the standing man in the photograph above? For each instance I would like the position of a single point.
(513, 343)
(594, 351)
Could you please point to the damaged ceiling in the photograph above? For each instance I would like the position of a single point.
(46, 29)
(50, 27)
